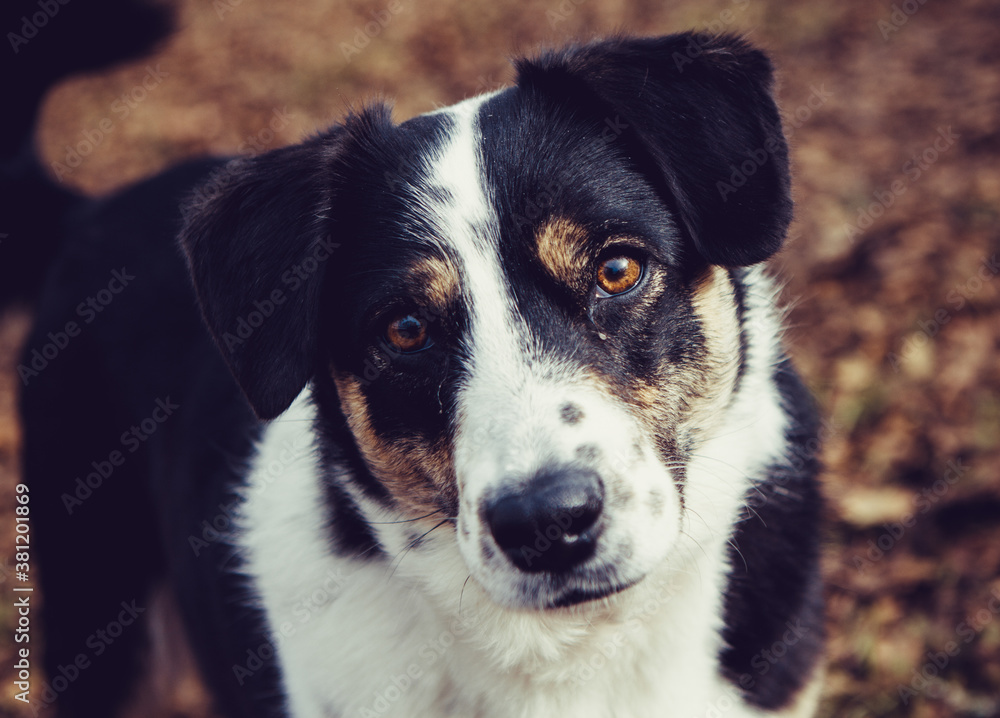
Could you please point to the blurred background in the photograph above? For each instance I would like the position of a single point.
(891, 270)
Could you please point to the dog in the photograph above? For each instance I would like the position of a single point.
(481, 414)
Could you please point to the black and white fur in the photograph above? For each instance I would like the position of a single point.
(357, 571)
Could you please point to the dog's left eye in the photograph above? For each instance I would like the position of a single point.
(408, 334)
(618, 274)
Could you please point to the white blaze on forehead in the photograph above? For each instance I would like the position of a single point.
(502, 362)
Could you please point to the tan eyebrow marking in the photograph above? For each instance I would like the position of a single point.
(561, 248)
(436, 280)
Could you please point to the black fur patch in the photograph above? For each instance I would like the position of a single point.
(774, 603)
(664, 105)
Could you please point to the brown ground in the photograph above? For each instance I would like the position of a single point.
(896, 317)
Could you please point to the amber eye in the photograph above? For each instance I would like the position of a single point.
(407, 333)
(618, 274)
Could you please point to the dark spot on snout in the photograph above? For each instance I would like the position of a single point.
(571, 414)
(637, 450)
(487, 549)
(622, 496)
(587, 452)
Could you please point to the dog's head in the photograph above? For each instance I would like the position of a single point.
(520, 307)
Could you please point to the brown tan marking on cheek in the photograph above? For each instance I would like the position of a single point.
(560, 246)
(686, 401)
(643, 399)
(658, 403)
(418, 475)
(715, 306)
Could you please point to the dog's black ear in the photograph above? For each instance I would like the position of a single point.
(700, 110)
(256, 240)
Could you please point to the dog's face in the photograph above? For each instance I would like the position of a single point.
(527, 323)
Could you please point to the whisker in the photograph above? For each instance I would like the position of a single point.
(689, 511)
(721, 461)
(405, 521)
(402, 554)
(696, 543)
(462, 594)
(753, 484)
(740, 554)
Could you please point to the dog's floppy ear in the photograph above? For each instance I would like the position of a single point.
(699, 107)
(256, 240)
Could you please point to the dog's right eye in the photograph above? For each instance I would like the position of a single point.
(618, 274)
(408, 334)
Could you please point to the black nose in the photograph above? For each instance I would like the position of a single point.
(552, 523)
